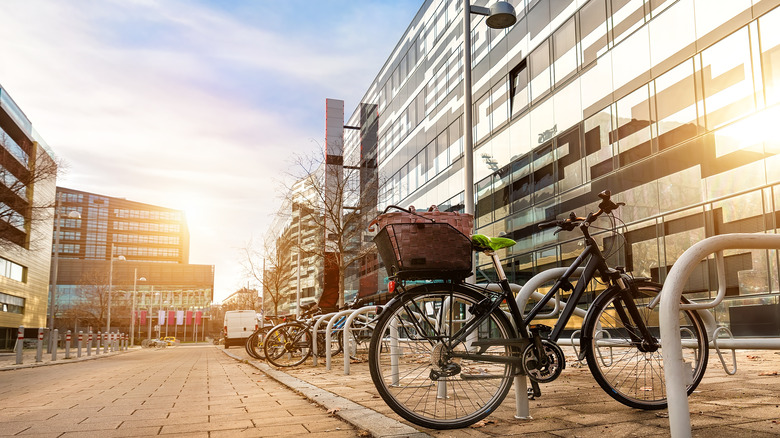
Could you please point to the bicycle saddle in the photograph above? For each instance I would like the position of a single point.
(480, 242)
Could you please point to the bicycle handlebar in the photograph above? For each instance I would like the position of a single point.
(605, 206)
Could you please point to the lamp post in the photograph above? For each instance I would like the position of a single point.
(500, 16)
(132, 312)
(111, 286)
(56, 262)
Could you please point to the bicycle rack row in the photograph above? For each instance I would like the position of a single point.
(345, 320)
(679, 414)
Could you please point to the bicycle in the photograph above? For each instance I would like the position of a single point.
(444, 354)
(290, 344)
(254, 343)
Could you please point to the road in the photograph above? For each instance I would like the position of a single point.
(184, 390)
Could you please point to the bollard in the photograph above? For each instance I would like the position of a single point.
(39, 352)
(89, 343)
(81, 338)
(19, 344)
(106, 342)
(55, 344)
(67, 345)
(98, 339)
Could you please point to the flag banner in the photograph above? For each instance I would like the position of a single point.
(179, 317)
(188, 319)
(171, 317)
(142, 317)
(161, 317)
(198, 316)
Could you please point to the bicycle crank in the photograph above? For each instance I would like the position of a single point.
(549, 367)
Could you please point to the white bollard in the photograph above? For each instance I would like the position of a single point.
(67, 345)
(19, 344)
(39, 352)
(55, 342)
(99, 340)
(81, 339)
(89, 343)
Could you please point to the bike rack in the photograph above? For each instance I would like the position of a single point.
(674, 369)
(314, 342)
(329, 336)
(347, 332)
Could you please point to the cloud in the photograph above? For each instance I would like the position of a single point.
(194, 105)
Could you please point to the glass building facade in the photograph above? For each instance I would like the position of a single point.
(668, 104)
(27, 184)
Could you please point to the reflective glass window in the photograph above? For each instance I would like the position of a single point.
(675, 102)
(633, 126)
(519, 88)
(598, 148)
(520, 193)
(499, 104)
(627, 16)
(728, 79)
(564, 51)
(501, 192)
(568, 160)
(769, 26)
(482, 118)
(544, 172)
(484, 207)
(540, 70)
(593, 30)
(455, 136)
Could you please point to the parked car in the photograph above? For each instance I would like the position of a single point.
(170, 340)
(238, 326)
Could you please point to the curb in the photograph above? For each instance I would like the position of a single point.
(378, 425)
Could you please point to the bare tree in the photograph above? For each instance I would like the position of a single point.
(90, 304)
(25, 169)
(338, 206)
(270, 266)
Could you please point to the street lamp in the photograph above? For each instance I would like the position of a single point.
(56, 262)
(111, 286)
(132, 313)
(500, 16)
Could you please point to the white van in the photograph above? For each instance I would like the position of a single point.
(239, 325)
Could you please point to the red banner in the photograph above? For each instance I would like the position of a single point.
(171, 317)
(143, 317)
(188, 319)
(198, 316)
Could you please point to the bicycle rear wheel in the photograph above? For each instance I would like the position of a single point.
(288, 345)
(414, 358)
(629, 367)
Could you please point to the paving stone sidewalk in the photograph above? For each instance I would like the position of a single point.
(746, 404)
(186, 391)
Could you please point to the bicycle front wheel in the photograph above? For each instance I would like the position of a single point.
(628, 364)
(287, 345)
(418, 363)
(254, 344)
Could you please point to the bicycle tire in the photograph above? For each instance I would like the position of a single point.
(632, 376)
(473, 390)
(335, 344)
(254, 344)
(287, 345)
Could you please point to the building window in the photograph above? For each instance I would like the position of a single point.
(518, 78)
(12, 270)
(11, 304)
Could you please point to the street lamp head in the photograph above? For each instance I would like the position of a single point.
(73, 214)
(142, 279)
(502, 15)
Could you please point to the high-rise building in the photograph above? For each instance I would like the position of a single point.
(138, 251)
(669, 104)
(27, 181)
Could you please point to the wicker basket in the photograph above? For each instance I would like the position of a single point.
(418, 251)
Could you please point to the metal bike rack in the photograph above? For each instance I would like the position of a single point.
(314, 341)
(679, 414)
(328, 335)
(347, 333)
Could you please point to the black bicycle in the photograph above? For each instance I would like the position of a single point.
(444, 354)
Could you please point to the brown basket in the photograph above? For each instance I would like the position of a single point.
(424, 250)
(461, 222)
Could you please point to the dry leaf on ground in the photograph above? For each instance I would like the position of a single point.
(482, 423)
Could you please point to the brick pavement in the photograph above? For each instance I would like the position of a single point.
(187, 391)
(746, 404)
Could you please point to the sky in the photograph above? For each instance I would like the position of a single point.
(194, 105)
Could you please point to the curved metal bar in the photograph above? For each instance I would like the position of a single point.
(679, 414)
(720, 355)
(314, 333)
(347, 332)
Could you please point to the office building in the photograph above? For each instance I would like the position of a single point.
(669, 104)
(27, 186)
(138, 251)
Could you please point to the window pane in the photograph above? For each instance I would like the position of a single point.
(568, 156)
(565, 54)
(519, 78)
(598, 148)
(769, 26)
(593, 30)
(500, 104)
(633, 126)
(728, 79)
(675, 100)
(482, 118)
(540, 70)
(627, 16)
